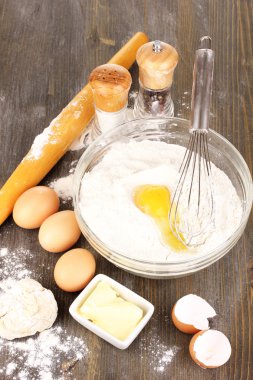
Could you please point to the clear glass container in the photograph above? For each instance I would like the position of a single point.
(153, 103)
(172, 131)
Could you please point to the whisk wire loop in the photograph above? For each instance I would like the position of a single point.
(192, 202)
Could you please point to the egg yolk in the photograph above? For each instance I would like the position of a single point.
(155, 201)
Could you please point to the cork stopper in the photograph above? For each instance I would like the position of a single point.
(157, 62)
(110, 84)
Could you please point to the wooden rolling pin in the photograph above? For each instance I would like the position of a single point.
(54, 141)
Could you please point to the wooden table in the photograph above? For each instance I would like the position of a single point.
(47, 49)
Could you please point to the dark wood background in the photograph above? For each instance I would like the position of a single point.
(47, 49)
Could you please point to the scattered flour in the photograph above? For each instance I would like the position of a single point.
(79, 143)
(49, 355)
(13, 265)
(47, 136)
(159, 354)
(132, 98)
(108, 209)
(39, 142)
(77, 114)
(165, 359)
(183, 105)
(3, 252)
(82, 141)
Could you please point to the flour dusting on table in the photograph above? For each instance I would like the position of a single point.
(13, 265)
(50, 355)
(159, 354)
(46, 357)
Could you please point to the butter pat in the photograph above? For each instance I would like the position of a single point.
(109, 311)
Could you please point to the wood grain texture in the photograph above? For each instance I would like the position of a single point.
(48, 48)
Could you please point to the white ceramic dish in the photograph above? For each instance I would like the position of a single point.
(126, 294)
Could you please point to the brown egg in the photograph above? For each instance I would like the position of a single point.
(59, 232)
(74, 270)
(34, 206)
(210, 348)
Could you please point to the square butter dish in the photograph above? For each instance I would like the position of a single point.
(127, 295)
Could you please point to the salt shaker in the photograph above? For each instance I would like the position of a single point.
(110, 84)
(157, 61)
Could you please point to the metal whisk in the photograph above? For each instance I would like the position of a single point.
(191, 211)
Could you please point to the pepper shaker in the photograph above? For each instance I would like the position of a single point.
(157, 61)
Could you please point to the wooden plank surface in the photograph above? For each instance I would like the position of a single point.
(47, 49)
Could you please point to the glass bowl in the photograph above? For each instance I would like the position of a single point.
(172, 131)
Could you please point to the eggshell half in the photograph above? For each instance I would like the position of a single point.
(185, 328)
(190, 314)
(210, 349)
(59, 232)
(34, 206)
(74, 270)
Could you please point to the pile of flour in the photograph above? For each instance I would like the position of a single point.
(63, 186)
(107, 205)
(49, 355)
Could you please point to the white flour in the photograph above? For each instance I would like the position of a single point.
(63, 187)
(25, 309)
(50, 355)
(159, 354)
(80, 142)
(43, 139)
(13, 265)
(3, 252)
(54, 132)
(107, 205)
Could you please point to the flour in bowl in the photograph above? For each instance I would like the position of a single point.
(107, 206)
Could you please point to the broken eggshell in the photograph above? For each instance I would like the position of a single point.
(210, 348)
(190, 314)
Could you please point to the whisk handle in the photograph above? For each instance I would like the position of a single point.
(202, 86)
